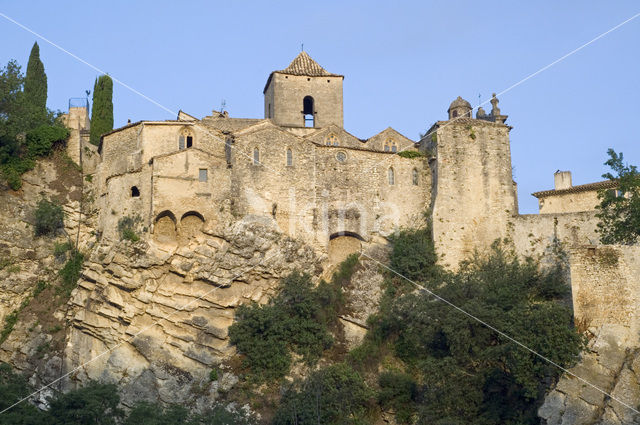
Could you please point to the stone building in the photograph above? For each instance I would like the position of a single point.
(299, 167)
(566, 198)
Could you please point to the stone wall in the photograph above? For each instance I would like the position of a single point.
(473, 190)
(605, 281)
(569, 202)
(285, 94)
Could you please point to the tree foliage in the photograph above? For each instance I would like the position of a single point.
(35, 84)
(48, 217)
(465, 371)
(102, 108)
(296, 320)
(335, 395)
(27, 129)
(619, 209)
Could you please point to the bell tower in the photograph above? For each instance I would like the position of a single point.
(304, 95)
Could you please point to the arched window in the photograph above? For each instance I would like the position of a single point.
(454, 114)
(256, 156)
(414, 175)
(135, 192)
(289, 158)
(390, 145)
(332, 140)
(185, 139)
(392, 176)
(308, 111)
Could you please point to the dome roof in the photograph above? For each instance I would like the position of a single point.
(459, 102)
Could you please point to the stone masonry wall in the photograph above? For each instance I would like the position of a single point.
(473, 187)
(569, 202)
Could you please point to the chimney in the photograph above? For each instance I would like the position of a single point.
(562, 179)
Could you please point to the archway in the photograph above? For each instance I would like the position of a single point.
(191, 224)
(164, 229)
(343, 244)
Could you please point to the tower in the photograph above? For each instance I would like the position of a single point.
(473, 194)
(304, 95)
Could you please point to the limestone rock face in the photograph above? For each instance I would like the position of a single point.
(155, 318)
(611, 366)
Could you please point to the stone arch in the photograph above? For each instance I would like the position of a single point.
(191, 224)
(342, 244)
(164, 229)
(185, 138)
(308, 111)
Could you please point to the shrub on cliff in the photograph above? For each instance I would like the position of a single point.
(619, 209)
(465, 372)
(48, 217)
(335, 395)
(296, 320)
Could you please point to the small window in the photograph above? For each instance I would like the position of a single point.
(386, 148)
(454, 114)
(341, 156)
(256, 156)
(135, 192)
(203, 175)
(269, 111)
(308, 111)
(289, 158)
(181, 142)
(415, 177)
(394, 148)
(185, 138)
(392, 177)
(189, 141)
(332, 140)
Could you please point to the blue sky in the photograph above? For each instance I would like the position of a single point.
(403, 62)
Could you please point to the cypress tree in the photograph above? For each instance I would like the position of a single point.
(35, 85)
(102, 108)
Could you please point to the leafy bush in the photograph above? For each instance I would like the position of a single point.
(297, 320)
(10, 321)
(126, 228)
(145, 413)
(49, 217)
(13, 388)
(70, 273)
(468, 372)
(93, 404)
(40, 140)
(398, 391)
(413, 255)
(336, 395)
(411, 154)
(619, 209)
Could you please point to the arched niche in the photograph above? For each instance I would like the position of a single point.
(343, 244)
(191, 224)
(164, 229)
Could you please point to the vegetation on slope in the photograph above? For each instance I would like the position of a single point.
(27, 129)
(619, 210)
(102, 108)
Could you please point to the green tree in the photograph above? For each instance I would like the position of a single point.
(14, 388)
(466, 372)
(49, 217)
(102, 108)
(95, 404)
(619, 209)
(145, 413)
(336, 395)
(35, 85)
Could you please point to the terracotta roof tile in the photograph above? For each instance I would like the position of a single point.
(606, 184)
(304, 65)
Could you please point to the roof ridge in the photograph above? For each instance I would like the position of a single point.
(303, 64)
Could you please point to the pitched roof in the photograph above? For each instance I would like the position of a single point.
(304, 65)
(606, 184)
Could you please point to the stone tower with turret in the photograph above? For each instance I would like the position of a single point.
(304, 95)
(473, 193)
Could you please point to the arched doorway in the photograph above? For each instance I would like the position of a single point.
(343, 244)
(164, 229)
(191, 224)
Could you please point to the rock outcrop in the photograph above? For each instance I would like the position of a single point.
(610, 365)
(154, 318)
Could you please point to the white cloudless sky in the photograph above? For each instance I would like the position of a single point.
(403, 63)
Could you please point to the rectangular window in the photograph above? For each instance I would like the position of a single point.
(181, 142)
(203, 175)
(189, 141)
